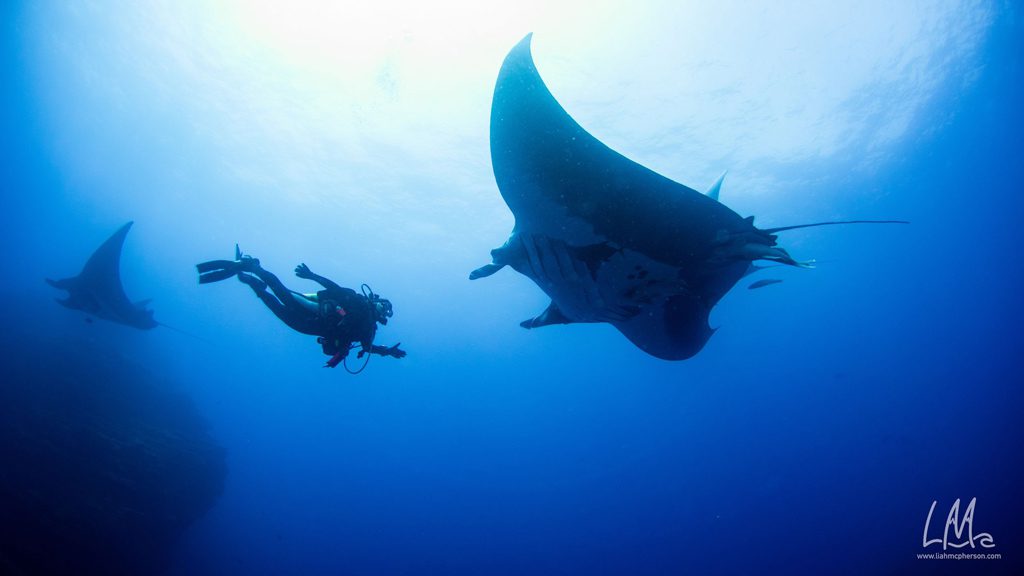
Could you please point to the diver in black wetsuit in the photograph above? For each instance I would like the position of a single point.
(339, 316)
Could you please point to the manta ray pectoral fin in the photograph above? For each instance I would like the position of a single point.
(484, 271)
(141, 304)
(63, 284)
(551, 315)
(619, 313)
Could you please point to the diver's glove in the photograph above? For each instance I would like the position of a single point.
(303, 271)
(392, 351)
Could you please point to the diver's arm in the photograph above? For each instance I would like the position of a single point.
(303, 271)
(388, 350)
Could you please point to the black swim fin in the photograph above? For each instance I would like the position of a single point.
(218, 275)
(217, 270)
(212, 265)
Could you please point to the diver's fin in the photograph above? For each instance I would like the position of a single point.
(552, 315)
(484, 271)
(218, 275)
(716, 187)
(784, 228)
(204, 267)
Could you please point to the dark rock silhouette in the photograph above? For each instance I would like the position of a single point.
(102, 464)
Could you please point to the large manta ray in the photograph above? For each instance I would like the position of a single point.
(97, 290)
(606, 238)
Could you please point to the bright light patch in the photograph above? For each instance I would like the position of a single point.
(344, 100)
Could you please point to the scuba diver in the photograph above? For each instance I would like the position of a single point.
(340, 317)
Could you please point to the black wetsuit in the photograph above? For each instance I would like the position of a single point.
(343, 315)
(338, 316)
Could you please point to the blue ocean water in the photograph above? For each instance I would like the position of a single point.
(810, 436)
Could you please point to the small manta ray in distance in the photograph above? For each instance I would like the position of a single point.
(97, 289)
(606, 238)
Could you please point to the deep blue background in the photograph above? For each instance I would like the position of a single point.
(811, 436)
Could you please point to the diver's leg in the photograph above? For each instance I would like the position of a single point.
(284, 295)
(298, 322)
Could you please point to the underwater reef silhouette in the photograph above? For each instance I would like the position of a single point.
(103, 464)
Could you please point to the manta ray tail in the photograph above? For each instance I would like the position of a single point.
(180, 331)
(784, 228)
